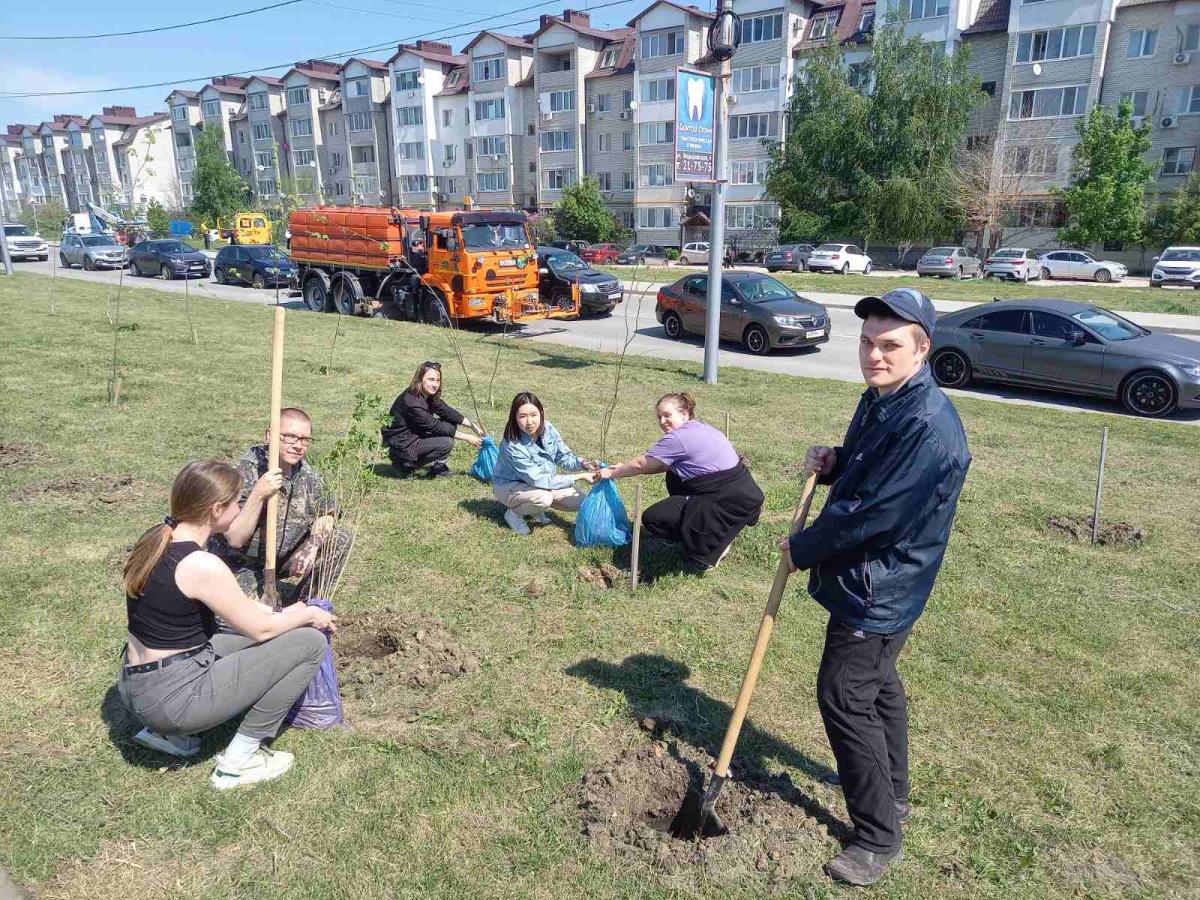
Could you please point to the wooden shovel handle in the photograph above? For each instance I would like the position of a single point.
(270, 536)
(782, 572)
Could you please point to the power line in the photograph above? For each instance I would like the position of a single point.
(16, 95)
(88, 37)
(372, 12)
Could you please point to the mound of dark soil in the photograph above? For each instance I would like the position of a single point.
(105, 488)
(604, 576)
(17, 455)
(627, 806)
(385, 647)
(1111, 534)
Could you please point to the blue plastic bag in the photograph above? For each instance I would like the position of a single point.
(602, 520)
(485, 461)
(320, 706)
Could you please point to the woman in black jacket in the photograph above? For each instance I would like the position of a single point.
(424, 426)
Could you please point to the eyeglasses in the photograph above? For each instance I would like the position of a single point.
(302, 440)
(430, 364)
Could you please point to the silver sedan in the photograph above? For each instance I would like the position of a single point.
(91, 251)
(949, 262)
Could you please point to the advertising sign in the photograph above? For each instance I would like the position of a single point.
(181, 227)
(694, 121)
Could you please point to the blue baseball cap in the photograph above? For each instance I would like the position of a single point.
(903, 303)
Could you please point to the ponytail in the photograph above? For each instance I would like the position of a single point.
(197, 488)
(683, 401)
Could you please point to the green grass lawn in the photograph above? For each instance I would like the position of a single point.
(1053, 685)
(1134, 299)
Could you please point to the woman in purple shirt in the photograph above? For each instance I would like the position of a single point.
(712, 495)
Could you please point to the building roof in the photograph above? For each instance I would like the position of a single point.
(579, 22)
(510, 39)
(334, 101)
(317, 74)
(131, 121)
(624, 64)
(993, 16)
(847, 32)
(225, 89)
(268, 80)
(369, 63)
(691, 10)
(464, 82)
(190, 95)
(434, 51)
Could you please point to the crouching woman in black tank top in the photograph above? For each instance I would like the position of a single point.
(180, 676)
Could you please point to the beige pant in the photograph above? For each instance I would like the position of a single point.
(530, 501)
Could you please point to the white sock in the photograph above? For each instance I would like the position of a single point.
(239, 751)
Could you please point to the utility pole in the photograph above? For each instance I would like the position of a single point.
(722, 46)
(8, 270)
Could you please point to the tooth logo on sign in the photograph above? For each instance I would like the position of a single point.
(695, 99)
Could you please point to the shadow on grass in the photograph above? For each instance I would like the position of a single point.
(561, 362)
(123, 725)
(655, 687)
(486, 508)
(656, 559)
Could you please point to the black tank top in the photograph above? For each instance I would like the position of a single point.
(163, 618)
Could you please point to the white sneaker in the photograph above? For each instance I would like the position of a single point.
(543, 519)
(264, 765)
(516, 523)
(182, 745)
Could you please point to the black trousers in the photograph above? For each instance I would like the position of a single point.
(430, 451)
(664, 520)
(863, 706)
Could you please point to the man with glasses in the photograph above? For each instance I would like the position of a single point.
(306, 531)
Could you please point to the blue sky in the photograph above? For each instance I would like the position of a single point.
(311, 28)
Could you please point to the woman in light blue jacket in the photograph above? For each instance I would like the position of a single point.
(526, 479)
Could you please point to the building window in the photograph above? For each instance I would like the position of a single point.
(557, 140)
(492, 181)
(297, 96)
(408, 80)
(627, 181)
(988, 87)
(655, 90)
(447, 117)
(332, 128)
(359, 87)
(75, 139)
(658, 175)
(301, 127)
(605, 181)
(1142, 43)
(762, 28)
(1057, 43)
(179, 113)
(183, 139)
(627, 140)
(656, 133)
(186, 164)
(445, 185)
(412, 150)
(453, 78)
(366, 184)
(335, 160)
(493, 146)
(419, 183)
(821, 26)
(1137, 99)
(858, 75)
(306, 184)
(866, 22)
(267, 187)
(241, 137)
(305, 157)
(211, 108)
(258, 100)
(1036, 214)
(1191, 38)
(409, 115)
(264, 159)
(603, 142)
(755, 78)
(1178, 160)
(755, 125)
(562, 101)
(603, 102)
(557, 179)
(449, 153)
(339, 189)
(657, 217)
(489, 109)
(926, 9)
(487, 69)
(749, 215)
(360, 121)
(665, 43)
(626, 99)
(608, 58)
(749, 172)
(364, 154)
(1031, 160)
(1048, 103)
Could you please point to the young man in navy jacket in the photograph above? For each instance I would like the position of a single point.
(873, 554)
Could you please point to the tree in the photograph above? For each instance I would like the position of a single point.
(157, 218)
(542, 226)
(987, 199)
(217, 189)
(1176, 217)
(48, 217)
(908, 211)
(583, 215)
(1106, 201)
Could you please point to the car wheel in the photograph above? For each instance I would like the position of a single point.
(219, 276)
(960, 273)
(62, 261)
(133, 269)
(1158, 284)
(673, 326)
(867, 269)
(1149, 394)
(165, 273)
(1103, 276)
(1026, 276)
(258, 281)
(952, 369)
(756, 341)
(89, 264)
(1046, 276)
(846, 268)
(641, 261)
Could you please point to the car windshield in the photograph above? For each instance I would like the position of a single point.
(1008, 254)
(18, 231)
(269, 253)
(1181, 256)
(492, 237)
(1108, 324)
(98, 241)
(171, 247)
(760, 290)
(565, 262)
(835, 248)
(941, 251)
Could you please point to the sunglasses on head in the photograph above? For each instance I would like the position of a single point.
(429, 364)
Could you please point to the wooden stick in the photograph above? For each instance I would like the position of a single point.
(270, 538)
(637, 537)
(1099, 487)
(727, 437)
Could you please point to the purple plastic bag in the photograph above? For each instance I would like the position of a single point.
(320, 706)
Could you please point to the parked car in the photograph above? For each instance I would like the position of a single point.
(600, 254)
(25, 243)
(574, 246)
(1177, 265)
(1015, 263)
(793, 257)
(758, 310)
(559, 269)
(1070, 347)
(949, 262)
(641, 254)
(694, 253)
(167, 259)
(1080, 266)
(92, 251)
(844, 258)
(259, 265)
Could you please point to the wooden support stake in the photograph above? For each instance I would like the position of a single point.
(727, 435)
(1099, 487)
(637, 538)
(270, 535)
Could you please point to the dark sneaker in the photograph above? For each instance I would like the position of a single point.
(439, 470)
(903, 811)
(403, 472)
(858, 866)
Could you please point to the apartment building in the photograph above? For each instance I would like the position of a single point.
(220, 100)
(367, 113)
(263, 123)
(186, 119)
(12, 166)
(144, 157)
(500, 115)
(308, 86)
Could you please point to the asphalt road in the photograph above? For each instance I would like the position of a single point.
(633, 320)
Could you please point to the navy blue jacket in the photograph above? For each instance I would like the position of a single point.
(875, 549)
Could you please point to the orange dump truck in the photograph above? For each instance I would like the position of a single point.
(441, 268)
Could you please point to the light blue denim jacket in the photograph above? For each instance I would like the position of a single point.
(524, 462)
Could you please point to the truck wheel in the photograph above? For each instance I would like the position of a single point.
(346, 294)
(435, 311)
(316, 293)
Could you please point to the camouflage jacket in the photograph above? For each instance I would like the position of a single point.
(302, 499)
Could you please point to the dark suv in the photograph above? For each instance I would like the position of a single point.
(260, 265)
(558, 269)
(167, 259)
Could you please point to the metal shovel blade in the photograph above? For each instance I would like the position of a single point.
(697, 816)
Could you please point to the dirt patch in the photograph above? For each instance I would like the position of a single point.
(604, 576)
(392, 647)
(17, 455)
(105, 488)
(627, 805)
(1111, 534)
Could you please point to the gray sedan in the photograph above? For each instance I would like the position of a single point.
(793, 257)
(949, 262)
(1071, 347)
(92, 251)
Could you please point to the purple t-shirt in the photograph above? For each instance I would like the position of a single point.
(694, 449)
